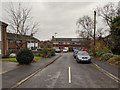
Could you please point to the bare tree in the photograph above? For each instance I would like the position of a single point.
(100, 32)
(85, 25)
(81, 33)
(108, 12)
(20, 20)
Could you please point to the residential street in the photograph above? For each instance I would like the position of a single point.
(65, 72)
(69, 44)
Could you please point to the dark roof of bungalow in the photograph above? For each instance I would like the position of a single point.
(70, 39)
(3, 24)
(13, 36)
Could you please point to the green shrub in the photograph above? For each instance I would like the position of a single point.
(24, 56)
(99, 53)
(91, 53)
(106, 56)
(52, 51)
(47, 52)
(115, 60)
(43, 52)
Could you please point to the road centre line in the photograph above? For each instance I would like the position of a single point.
(69, 75)
(108, 74)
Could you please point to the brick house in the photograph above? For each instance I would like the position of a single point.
(71, 43)
(3, 39)
(45, 44)
(8, 41)
(13, 41)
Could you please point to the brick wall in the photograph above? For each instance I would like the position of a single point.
(3, 38)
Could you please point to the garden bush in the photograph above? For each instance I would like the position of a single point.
(47, 52)
(99, 53)
(52, 51)
(24, 56)
(43, 52)
(115, 60)
(106, 56)
(91, 53)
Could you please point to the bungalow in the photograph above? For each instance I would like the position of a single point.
(14, 42)
(45, 44)
(70, 43)
(9, 42)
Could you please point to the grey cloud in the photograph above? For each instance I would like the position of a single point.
(59, 17)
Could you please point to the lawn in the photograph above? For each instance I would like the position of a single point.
(9, 59)
(36, 58)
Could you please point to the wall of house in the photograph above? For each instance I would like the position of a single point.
(12, 47)
(45, 44)
(32, 44)
(3, 39)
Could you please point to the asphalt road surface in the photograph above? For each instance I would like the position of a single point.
(67, 73)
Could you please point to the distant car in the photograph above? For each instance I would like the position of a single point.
(83, 56)
(65, 50)
(75, 51)
(57, 50)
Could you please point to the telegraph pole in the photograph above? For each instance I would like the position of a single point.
(119, 8)
(94, 32)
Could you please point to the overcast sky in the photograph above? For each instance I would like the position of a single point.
(59, 17)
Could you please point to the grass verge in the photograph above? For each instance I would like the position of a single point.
(36, 58)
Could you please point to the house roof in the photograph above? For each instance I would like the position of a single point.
(3, 24)
(69, 39)
(13, 36)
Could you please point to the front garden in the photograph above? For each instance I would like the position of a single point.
(26, 56)
(13, 59)
(105, 54)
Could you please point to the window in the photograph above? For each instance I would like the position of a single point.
(28, 41)
(10, 41)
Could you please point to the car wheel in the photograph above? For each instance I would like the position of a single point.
(89, 61)
(78, 61)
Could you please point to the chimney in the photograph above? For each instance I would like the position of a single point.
(53, 37)
(31, 34)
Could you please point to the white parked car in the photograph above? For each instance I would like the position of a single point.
(65, 50)
(83, 56)
(57, 50)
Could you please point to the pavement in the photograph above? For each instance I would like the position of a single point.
(12, 73)
(8, 66)
(114, 70)
(15, 74)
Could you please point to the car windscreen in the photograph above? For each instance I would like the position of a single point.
(82, 53)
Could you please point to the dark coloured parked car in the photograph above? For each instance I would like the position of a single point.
(83, 56)
(75, 51)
